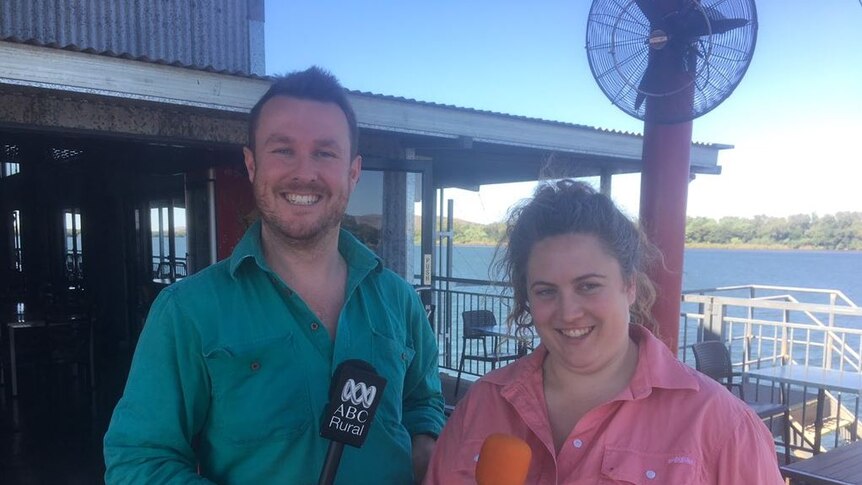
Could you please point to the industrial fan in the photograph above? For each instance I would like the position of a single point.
(693, 53)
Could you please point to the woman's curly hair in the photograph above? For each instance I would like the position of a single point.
(571, 207)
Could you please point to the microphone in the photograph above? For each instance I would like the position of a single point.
(503, 460)
(354, 394)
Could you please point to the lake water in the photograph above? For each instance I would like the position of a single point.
(710, 268)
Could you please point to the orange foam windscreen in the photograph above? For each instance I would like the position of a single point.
(504, 460)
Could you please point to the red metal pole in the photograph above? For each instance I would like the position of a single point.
(664, 195)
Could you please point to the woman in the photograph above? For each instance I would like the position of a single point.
(601, 400)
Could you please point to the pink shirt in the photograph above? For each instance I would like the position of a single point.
(671, 425)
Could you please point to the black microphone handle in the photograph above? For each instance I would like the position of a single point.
(330, 466)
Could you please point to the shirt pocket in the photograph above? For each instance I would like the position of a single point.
(259, 392)
(621, 465)
(391, 359)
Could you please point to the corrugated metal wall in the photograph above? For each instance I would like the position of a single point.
(200, 33)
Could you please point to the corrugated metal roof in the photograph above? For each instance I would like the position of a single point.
(210, 34)
(143, 58)
(398, 99)
(517, 117)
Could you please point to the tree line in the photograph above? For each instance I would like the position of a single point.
(840, 231)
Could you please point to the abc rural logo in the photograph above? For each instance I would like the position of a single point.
(351, 416)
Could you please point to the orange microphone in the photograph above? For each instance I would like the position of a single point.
(504, 460)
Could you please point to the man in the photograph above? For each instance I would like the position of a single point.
(233, 367)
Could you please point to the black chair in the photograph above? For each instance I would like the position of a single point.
(425, 296)
(30, 351)
(162, 270)
(474, 322)
(70, 340)
(713, 359)
(70, 266)
(181, 269)
(430, 310)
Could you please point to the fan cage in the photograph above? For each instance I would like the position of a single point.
(617, 43)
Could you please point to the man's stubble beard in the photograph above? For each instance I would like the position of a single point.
(299, 234)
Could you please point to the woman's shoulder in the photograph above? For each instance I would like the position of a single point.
(499, 384)
(499, 402)
(710, 399)
(503, 375)
(679, 385)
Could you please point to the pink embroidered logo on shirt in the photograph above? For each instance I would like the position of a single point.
(681, 459)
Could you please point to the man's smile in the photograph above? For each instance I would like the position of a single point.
(300, 199)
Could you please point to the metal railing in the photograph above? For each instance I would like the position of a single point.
(776, 325)
(449, 324)
(762, 326)
(765, 326)
(785, 325)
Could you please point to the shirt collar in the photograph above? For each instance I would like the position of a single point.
(248, 248)
(357, 255)
(359, 258)
(657, 367)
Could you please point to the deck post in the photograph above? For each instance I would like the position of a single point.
(664, 193)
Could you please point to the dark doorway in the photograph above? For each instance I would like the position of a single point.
(91, 229)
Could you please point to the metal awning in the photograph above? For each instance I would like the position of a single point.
(466, 147)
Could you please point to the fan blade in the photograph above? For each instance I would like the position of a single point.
(691, 59)
(648, 81)
(639, 99)
(720, 26)
(649, 10)
(693, 24)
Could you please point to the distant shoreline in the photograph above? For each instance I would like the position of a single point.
(747, 246)
(765, 247)
(729, 247)
(839, 232)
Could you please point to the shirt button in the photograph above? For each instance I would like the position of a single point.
(578, 443)
(476, 458)
(314, 326)
(255, 366)
(650, 474)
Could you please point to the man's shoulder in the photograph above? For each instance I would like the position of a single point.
(388, 284)
(214, 278)
(203, 302)
(387, 277)
(213, 274)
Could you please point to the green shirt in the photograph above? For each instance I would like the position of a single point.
(232, 372)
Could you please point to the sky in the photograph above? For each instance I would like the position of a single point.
(795, 120)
